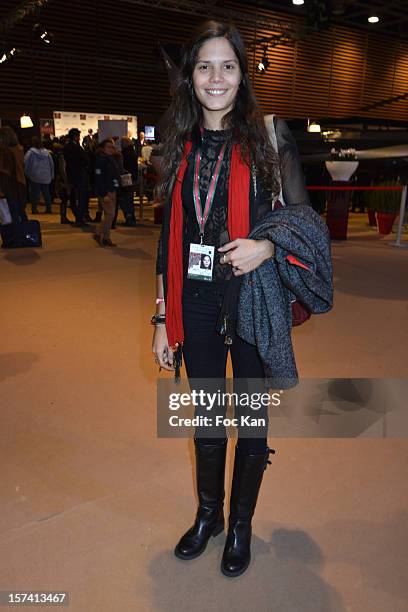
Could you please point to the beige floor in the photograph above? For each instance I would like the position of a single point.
(93, 502)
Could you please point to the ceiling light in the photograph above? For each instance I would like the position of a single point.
(263, 65)
(42, 33)
(7, 53)
(314, 127)
(45, 37)
(25, 121)
(373, 19)
(298, 2)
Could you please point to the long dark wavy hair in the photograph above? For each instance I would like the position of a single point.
(245, 119)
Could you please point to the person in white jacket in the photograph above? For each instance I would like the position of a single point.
(39, 169)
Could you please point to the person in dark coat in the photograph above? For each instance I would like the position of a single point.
(76, 162)
(12, 179)
(140, 143)
(61, 182)
(131, 166)
(107, 179)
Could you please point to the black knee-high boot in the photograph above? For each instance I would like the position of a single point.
(247, 479)
(210, 466)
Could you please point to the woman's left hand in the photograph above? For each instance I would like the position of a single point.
(244, 254)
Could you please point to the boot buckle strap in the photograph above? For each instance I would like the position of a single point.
(269, 451)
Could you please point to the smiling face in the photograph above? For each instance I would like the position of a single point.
(216, 79)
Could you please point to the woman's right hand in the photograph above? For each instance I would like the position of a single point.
(161, 348)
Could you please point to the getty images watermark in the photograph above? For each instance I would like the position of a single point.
(324, 407)
(207, 402)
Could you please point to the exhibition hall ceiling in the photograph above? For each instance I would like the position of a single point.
(393, 14)
(105, 57)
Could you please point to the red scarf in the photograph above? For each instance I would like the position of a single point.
(238, 227)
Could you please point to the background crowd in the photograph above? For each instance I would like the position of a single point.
(114, 171)
(70, 170)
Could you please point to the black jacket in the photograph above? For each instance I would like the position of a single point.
(139, 146)
(130, 162)
(76, 161)
(107, 176)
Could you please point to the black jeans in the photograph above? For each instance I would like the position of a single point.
(17, 211)
(64, 202)
(125, 202)
(205, 357)
(79, 198)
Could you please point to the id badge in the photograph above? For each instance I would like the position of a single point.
(200, 262)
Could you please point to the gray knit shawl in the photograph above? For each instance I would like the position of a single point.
(264, 306)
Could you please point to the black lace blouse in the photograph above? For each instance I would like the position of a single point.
(216, 232)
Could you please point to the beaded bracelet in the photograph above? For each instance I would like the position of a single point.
(158, 319)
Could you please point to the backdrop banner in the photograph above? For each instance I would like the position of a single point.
(65, 120)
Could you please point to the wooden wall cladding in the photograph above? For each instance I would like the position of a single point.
(104, 59)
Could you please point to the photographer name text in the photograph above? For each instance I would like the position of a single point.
(217, 421)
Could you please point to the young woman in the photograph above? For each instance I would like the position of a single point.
(220, 175)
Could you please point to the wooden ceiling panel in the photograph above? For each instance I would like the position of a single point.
(104, 58)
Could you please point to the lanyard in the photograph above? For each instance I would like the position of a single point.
(201, 215)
